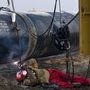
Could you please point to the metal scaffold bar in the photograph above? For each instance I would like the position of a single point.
(84, 20)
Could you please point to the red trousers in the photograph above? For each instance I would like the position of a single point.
(59, 77)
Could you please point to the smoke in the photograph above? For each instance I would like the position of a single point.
(13, 45)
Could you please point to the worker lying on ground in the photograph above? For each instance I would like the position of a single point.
(31, 75)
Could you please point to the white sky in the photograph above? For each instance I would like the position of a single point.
(47, 5)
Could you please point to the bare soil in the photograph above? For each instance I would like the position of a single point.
(8, 72)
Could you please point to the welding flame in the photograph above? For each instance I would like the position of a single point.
(15, 63)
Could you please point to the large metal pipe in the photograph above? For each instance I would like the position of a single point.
(15, 44)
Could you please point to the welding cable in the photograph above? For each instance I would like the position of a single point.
(60, 10)
(72, 19)
(8, 2)
(27, 25)
(13, 5)
(85, 76)
(35, 36)
(72, 66)
(72, 69)
(67, 66)
(87, 73)
(48, 30)
(67, 71)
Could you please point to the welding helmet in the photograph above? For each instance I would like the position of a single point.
(21, 75)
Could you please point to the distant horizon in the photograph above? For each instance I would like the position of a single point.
(46, 5)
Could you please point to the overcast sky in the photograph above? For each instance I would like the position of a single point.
(47, 5)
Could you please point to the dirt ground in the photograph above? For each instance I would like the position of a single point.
(8, 72)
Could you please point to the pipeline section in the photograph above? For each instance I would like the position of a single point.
(26, 43)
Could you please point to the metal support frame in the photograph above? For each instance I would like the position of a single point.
(84, 25)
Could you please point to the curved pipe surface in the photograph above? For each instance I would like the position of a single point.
(16, 44)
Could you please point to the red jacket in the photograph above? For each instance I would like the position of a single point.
(59, 77)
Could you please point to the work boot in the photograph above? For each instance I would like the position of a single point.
(76, 84)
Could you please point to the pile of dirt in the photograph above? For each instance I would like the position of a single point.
(8, 72)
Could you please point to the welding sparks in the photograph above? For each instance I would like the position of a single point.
(15, 63)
